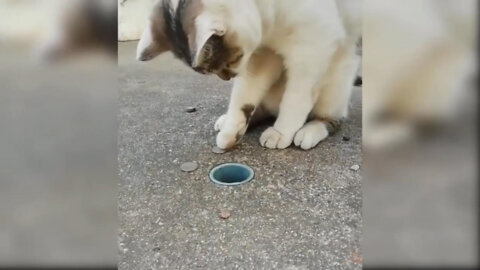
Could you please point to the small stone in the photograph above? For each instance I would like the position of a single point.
(357, 258)
(191, 110)
(346, 138)
(358, 81)
(355, 168)
(224, 214)
(189, 166)
(218, 150)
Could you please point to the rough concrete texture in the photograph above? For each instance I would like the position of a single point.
(302, 210)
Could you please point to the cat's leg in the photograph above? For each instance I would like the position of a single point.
(333, 98)
(248, 91)
(246, 95)
(305, 66)
(259, 115)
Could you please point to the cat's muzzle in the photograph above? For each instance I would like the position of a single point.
(226, 74)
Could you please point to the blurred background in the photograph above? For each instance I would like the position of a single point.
(420, 133)
(58, 174)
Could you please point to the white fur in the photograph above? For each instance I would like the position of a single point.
(133, 18)
(145, 41)
(310, 42)
(316, 46)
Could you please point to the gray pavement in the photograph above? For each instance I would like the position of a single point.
(302, 210)
(58, 174)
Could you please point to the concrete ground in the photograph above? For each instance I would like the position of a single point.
(421, 199)
(302, 210)
(58, 174)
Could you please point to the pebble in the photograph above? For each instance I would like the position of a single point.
(189, 166)
(355, 168)
(224, 214)
(358, 81)
(218, 150)
(191, 109)
(346, 138)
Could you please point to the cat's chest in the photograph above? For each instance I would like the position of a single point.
(278, 38)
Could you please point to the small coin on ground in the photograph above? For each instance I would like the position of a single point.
(191, 109)
(346, 138)
(358, 81)
(355, 168)
(224, 214)
(189, 166)
(218, 150)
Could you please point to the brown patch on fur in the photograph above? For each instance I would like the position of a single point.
(158, 29)
(333, 126)
(226, 74)
(248, 110)
(220, 56)
(262, 61)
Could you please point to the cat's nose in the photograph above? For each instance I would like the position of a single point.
(226, 74)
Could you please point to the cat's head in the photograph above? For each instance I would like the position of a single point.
(197, 33)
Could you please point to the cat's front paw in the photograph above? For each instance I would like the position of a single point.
(310, 135)
(273, 139)
(219, 123)
(231, 130)
(226, 140)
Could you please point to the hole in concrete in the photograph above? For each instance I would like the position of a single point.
(231, 174)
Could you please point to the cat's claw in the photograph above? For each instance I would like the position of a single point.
(273, 139)
(310, 135)
(220, 122)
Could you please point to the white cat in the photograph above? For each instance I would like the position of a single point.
(292, 59)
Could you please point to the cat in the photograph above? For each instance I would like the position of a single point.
(294, 60)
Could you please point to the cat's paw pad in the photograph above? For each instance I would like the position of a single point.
(220, 122)
(310, 135)
(273, 139)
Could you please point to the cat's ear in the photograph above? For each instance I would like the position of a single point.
(154, 40)
(206, 29)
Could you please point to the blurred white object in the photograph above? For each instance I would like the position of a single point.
(80, 25)
(418, 57)
(419, 200)
(133, 18)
